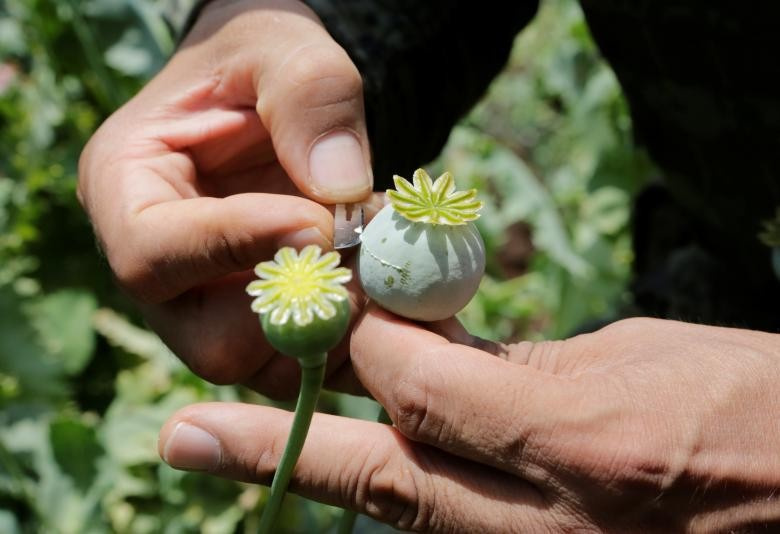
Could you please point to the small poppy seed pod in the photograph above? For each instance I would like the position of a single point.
(308, 343)
(304, 311)
(303, 305)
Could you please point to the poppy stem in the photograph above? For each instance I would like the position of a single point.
(312, 377)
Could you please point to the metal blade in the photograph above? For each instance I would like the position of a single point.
(348, 224)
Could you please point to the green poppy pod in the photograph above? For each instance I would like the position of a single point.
(303, 305)
(421, 256)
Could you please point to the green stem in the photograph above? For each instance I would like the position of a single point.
(348, 517)
(311, 383)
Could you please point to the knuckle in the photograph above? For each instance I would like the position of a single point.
(315, 62)
(261, 467)
(512, 446)
(419, 401)
(393, 494)
(411, 400)
(92, 154)
(631, 327)
(127, 252)
(617, 463)
(322, 76)
(101, 156)
(537, 354)
(622, 335)
(137, 270)
(640, 464)
(131, 273)
(230, 250)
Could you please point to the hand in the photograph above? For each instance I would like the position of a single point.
(643, 426)
(200, 177)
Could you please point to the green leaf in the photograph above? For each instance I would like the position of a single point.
(131, 426)
(122, 333)
(76, 449)
(64, 322)
(39, 379)
(106, 9)
(11, 41)
(523, 197)
(130, 56)
(607, 208)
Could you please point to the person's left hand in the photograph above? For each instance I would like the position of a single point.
(645, 425)
(224, 157)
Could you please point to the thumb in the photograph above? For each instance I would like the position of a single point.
(310, 99)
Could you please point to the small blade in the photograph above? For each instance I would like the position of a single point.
(347, 225)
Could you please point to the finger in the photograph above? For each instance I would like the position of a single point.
(458, 398)
(233, 350)
(360, 465)
(453, 331)
(545, 355)
(310, 97)
(373, 205)
(306, 90)
(229, 350)
(162, 250)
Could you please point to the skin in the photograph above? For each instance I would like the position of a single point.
(211, 168)
(644, 426)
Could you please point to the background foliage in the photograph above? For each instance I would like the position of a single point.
(84, 387)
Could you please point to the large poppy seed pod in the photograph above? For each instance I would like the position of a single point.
(421, 256)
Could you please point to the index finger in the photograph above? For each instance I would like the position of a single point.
(161, 236)
(458, 398)
(357, 464)
(170, 247)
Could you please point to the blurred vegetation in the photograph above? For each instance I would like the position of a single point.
(84, 387)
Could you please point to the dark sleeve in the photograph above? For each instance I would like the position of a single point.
(424, 65)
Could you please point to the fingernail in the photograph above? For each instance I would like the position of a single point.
(192, 448)
(338, 169)
(301, 238)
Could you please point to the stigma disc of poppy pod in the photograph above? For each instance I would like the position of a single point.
(302, 302)
(421, 256)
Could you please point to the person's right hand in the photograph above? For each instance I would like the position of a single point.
(643, 426)
(200, 176)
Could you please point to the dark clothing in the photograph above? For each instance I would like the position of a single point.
(701, 78)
